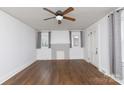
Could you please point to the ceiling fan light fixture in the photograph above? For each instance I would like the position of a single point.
(59, 17)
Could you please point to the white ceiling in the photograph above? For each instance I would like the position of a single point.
(33, 16)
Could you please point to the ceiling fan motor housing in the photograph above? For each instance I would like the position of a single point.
(59, 12)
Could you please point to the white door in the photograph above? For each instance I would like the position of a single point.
(94, 49)
(89, 47)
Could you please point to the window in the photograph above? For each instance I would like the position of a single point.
(75, 40)
(44, 40)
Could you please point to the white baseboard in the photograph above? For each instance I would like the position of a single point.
(61, 59)
(14, 72)
(113, 77)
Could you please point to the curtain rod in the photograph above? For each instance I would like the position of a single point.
(120, 9)
(117, 10)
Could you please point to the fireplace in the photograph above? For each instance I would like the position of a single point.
(60, 51)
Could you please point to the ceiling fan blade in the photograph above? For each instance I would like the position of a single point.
(49, 18)
(59, 22)
(49, 11)
(69, 18)
(68, 10)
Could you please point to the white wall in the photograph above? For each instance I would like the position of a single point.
(44, 53)
(76, 52)
(60, 37)
(17, 46)
(122, 41)
(103, 39)
(57, 37)
(103, 44)
(122, 34)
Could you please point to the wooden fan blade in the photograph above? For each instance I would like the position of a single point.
(49, 18)
(49, 11)
(68, 10)
(59, 22)
(69, 18)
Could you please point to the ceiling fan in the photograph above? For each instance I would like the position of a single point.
(59, 15)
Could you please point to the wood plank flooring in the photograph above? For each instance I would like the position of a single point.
(60, 72)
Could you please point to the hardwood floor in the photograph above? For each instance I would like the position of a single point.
(60, 72)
